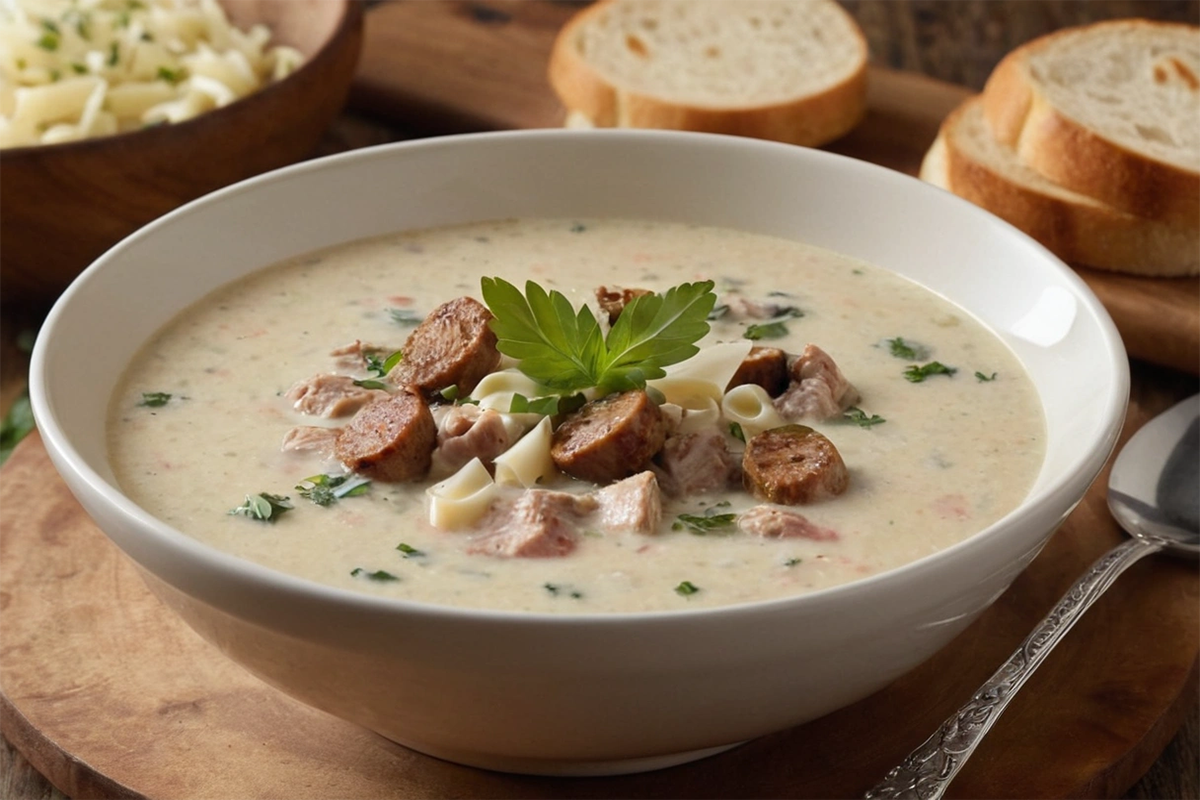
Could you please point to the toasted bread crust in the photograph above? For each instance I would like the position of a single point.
(809, 120)
(1078, 230)
(1078, 157)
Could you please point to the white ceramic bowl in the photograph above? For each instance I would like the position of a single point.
(598, 693)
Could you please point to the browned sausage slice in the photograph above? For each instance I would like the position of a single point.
(453, 346)
(793, 465)
(610, 438)
(613, 300)
(766, 366)
(390, 440)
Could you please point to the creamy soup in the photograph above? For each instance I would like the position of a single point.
(940, 435)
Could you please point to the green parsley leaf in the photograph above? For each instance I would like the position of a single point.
(17, 424)
(371, 383)
(409, 551)
(706, 523)
(549, 406)
(909, 351)
(405, 316)
(565, 350)
(327, 489)
(735, 429)
(686, 588)
(555, 590)
(718, 312)
(791, 562)
(917, 374)
(48, 41)
(79, 69)
(155, 399)
(860, 418)
(263, 507)
(114, 54)
(979, 376)
(382, 366)
(377, 575)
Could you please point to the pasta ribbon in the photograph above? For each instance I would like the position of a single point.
(750, 407)
(464, 497)
(528, 463)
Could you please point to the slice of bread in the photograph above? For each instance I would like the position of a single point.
(789, 70)
(968, 161)
(1110, 110)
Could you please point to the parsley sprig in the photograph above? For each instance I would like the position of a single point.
(916, 373)
(264, 507)
(325, 490)
(566, 351)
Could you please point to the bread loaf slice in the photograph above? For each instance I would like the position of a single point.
(968, 161)
(1110, 110)
(789, 70)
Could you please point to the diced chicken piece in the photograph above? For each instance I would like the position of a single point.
(353, 356)
(468, 432)
(613, 300)
(818, 388)
(780, 523)
(633, 504)
(539, 524)
(793, 465)
(390, 440)
(453, 346)
(331, 396)
(610, 438)
(765, 366)
(310, 439)
(694, 463)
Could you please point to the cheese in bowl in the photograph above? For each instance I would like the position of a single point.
(767, 418)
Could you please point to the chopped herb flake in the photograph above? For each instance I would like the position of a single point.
(706, 523)
(735, 430)
(909, 351)
(578, 227)
(371, 383)
(979, 376)
(555, 590)
(791, 562)
(718, 312)
(860, 418)
(766, 330)
(377, 575)
(409, 551)
(917, 374)
(263, 507)
(48, 41)
(114, 54)
(686, 588)
(155, 399)
(405, 316)
(172, 75)
(327, 489)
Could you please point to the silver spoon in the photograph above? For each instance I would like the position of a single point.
(1154, 493)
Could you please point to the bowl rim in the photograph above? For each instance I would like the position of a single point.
(214, 561)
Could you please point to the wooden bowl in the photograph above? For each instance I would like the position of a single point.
(63, 205)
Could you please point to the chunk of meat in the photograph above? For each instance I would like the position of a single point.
(610, 438)
(328, 395)
(310, 439)
(390, 440)
(633, 504)
(453, 346)
(539, 524)
(818, 389)
(468, 432)
(353, 356)
(613, 300)
(793, 465)
(745, 308)
(694, 463)
(770, 522)
(765, 366)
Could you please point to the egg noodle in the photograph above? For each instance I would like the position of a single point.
(74, 69)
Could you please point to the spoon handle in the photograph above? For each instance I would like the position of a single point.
(928, 770)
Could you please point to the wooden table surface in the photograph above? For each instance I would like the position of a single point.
(953, 40)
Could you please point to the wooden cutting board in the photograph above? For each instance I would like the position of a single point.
(452, 67)
(108, 694)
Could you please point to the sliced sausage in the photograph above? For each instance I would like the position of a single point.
(793, 465)
(453, 346)
(766, 366)
(390, 440)
(613, 300)
(610, 438)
